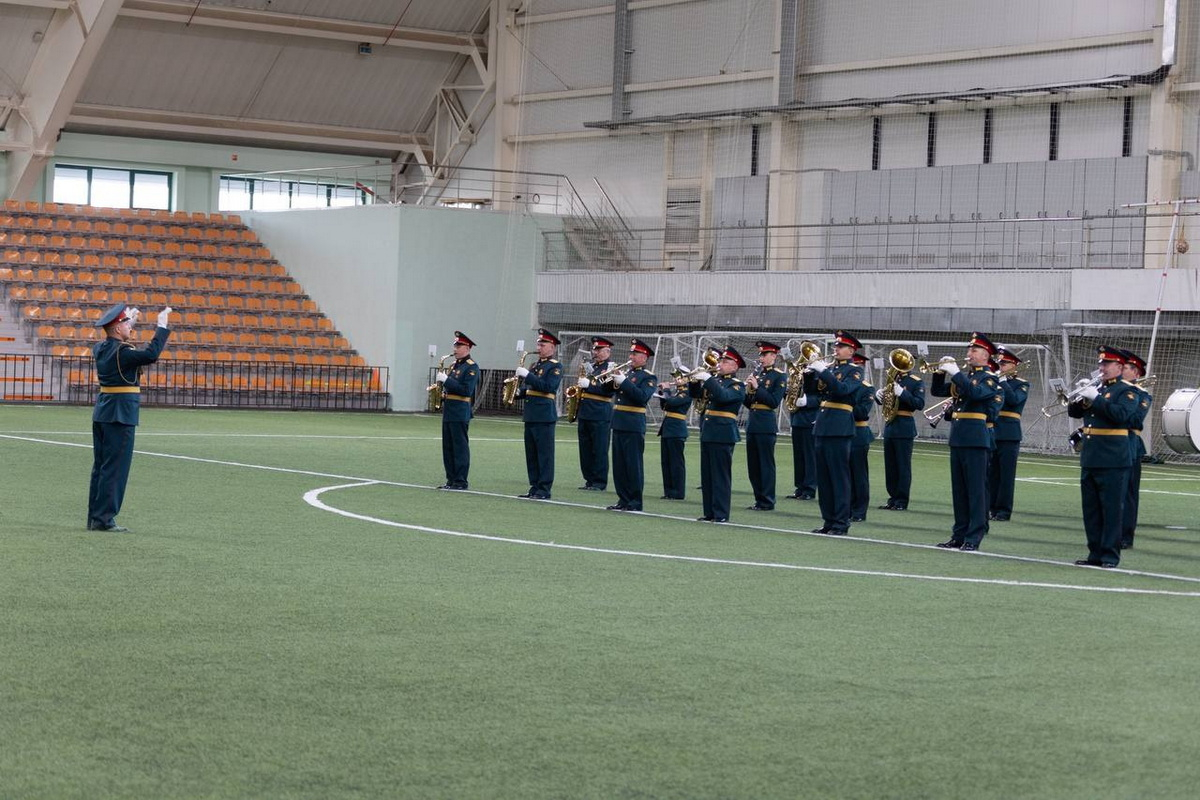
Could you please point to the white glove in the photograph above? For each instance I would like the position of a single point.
(879, 395)
(163, 316)
(132, 315)
(618, 378)
(801, 400)
(1090, 393)
(1004, 379)
(949, 367)
(441, 377)
(584, 383)
(702, 376)
(897, 388)
(522, 372)
(820, 365)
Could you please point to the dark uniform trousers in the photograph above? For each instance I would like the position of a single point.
(898, 436)
(804, 454)
(673, 435)
(595, 429)
(458, 395)
(540, 414)
(1137, 449)
(717, 441)
(629, 437)
(1002, 473)
(1104, 461)
(833, 433)
(114, 422)
(976, 390)
(860, 448)
(762, 429)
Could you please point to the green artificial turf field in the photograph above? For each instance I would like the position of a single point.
(298, 614)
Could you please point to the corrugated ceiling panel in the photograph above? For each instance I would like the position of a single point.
(246, 74)
(17, 48)
(442, 15)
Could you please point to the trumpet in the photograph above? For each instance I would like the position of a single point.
(435, 390)
(607, 375)
(928, 368)
(509, 393)
(937, 412)
(1063, 399)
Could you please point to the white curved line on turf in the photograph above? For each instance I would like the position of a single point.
(732, 525)
(313, 498)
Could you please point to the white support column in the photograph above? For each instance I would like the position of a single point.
(72, 42)
(1165, 148)
(783, 158)
(505, 55)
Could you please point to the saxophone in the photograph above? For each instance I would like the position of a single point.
(511, 384)
(795, 383)
(436, 390)
(573, 394)
(900, 362)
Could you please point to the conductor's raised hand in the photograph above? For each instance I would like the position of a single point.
(163, 316)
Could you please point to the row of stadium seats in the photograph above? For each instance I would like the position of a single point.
(363, 381)
(122, 275)
(14, 259)
(44, 225)
(212, 320)
(52, 249)
(94, 212)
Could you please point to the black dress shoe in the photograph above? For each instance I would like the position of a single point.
(540, 497)
(836, 532)
(967, 547)
(858, 519)
(1086, 562)
(951, 544)
(528, 495)
(757, 507)
(1106, 565)
(114, 528)
(617, 507)
(454, 487)
(1127, 544)
(899, 508)
(820, 530)
(888, 507)
(1001, 517)
(720, 519)
(704, 519)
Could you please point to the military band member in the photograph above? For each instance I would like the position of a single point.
(458, 399)
(633, 391)
(1002, 473)
(1133, 370)
(837, 384)
(1108, 412)
(539, 387)
(764, 393)
(725, 395)
(860, 446)
(115, 416)
(804, 453)
(595, 418)
(898, 436)
(975, 390)
(673, 433)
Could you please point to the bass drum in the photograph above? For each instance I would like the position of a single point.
(1181, 421)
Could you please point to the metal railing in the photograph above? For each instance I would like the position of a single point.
(1119, 241)
(218, 384)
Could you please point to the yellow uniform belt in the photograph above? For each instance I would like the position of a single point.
(632, 409)
(1012, 414)
(674, 415)
(903, 413)
(840, 406)
(1106, 431)
(861, 424)
(969, 415)
(729, 414)
(120, 390)
(532, 393)
(600, 397)
(456, 397)
(761, 407)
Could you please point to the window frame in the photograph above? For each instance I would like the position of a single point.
(132, 172)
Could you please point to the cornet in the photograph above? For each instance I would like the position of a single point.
(708, 364)
(928, 368)
(608, 374)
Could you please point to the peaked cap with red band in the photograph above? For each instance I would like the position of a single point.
(981, 340)
(734, 355)
(1135, 360)
(114, 314)
(638, 346)
(462, 338)
(842, 337)
(546, 336)
(1004, 354)
(767, 347)
(600, 341)
(1109, 353)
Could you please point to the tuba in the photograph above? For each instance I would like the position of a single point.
(511, 384)
(435, 390)
(900, 362)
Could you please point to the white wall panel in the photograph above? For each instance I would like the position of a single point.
(1091, 130)
(747, 94)
(960, 138)
(559, 116)
(732, 151)
(902, 141)
(1021, 134)
(568, 54)
(836, 31)
(836, 144)
(703, 38)
(629, 167)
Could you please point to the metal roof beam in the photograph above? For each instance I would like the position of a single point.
(245, 19)
(138, 121)
(55, 4)
(70, 47)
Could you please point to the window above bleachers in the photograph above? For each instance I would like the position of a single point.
(107, 187)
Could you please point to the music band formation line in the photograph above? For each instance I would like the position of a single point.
(829, 400)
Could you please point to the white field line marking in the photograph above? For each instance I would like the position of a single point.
(313, 498)
(730, 525)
